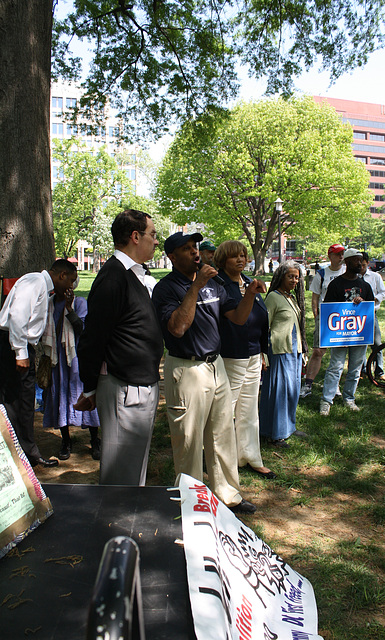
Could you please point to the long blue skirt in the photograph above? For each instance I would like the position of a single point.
(66, 384)
(280, 393)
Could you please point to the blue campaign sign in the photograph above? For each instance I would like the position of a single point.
(345, 324)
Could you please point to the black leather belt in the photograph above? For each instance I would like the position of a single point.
(209, 358)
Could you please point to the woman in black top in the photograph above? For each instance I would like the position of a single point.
(242, 349)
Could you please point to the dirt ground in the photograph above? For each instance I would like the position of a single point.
(80, 468)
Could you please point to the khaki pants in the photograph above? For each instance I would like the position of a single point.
(199, 412)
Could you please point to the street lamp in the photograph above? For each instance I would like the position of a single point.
(278, 209)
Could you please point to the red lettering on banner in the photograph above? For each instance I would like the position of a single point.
(201, 507)
(202, 497)
(243, 619)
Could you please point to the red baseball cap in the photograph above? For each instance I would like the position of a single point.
(336, 248)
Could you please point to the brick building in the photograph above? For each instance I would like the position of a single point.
(368, 123)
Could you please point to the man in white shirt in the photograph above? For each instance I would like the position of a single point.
(22, 323)
(318, 287)
(376, 282)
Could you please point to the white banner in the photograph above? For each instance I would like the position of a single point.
(239, 588)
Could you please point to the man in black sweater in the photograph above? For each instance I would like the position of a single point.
(120, 350)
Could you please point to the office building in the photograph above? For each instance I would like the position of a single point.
(64, 97)
(368, 123)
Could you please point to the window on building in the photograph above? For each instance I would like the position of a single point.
(379, 198)
(380, 137)
(377, 161)
(359, 135)
(376, 185)
(72, 130)
(291, 248)
(57, 129)
(361, 159)
(377, 174)
(113, 132)
(71, 103)
(57, 103)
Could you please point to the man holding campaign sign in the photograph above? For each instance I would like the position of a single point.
(318, 287)
(349, 327)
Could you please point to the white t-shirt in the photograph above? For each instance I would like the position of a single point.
(320, 289)
(376, 282)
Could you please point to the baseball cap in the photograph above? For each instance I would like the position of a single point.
(350, 253)
(336, 248)
(208, 245)
(179, 239)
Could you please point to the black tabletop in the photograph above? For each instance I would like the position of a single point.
(52, 595)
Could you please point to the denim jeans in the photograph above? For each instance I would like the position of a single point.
(379, 370)
(335, 368)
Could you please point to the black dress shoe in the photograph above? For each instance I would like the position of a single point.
(52, 462)
(65, 451)
(244, 507)
(95, 449)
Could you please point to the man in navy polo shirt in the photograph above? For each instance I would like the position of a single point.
(189, 303)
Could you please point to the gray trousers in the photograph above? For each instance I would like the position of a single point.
(127, 416)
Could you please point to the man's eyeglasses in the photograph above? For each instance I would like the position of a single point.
(152, 234)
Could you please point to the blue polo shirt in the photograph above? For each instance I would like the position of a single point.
(202, 338)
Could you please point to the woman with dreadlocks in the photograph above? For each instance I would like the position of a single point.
(282, 380)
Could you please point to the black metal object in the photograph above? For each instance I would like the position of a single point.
(116, 610)
(63, 555)
(371, 367)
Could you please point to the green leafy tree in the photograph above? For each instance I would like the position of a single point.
(371, 237)
(228, 172)
(87, 197)
(163, 60)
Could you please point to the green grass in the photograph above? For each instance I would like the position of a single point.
(325, 513)
(86, 279)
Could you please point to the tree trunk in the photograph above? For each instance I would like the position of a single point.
(96, 265)
(259, 258)
(26, 230)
